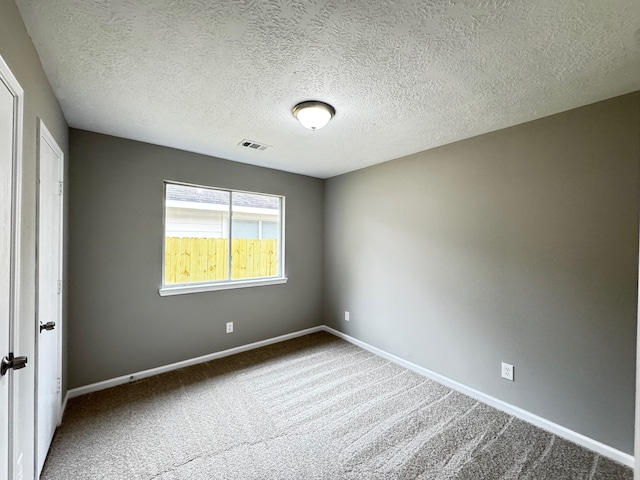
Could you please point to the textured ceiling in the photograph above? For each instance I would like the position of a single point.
(403, 75)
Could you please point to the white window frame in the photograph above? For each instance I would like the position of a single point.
(184, 288)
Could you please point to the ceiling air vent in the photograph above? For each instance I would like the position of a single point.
(253, 145)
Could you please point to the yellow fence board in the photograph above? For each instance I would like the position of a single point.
(191, 259)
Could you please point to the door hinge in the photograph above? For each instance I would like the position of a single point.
(58, 385)
(59, 286)
(60, 188)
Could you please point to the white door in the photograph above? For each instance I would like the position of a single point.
(11, 96)
(6, 175)
(49, 356)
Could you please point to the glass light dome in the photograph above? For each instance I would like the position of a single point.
(313, 115)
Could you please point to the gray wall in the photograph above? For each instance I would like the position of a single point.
(118, 324)
(518, 246)
(20, 55)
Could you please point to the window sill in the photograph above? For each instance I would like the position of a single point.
(166, 291)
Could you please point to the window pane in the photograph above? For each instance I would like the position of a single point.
(196, 234)
(253, 256)
(246, 228)
(270, 229)
(215, 235)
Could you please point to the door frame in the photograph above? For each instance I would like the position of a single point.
(44, 135)
(636, 449)
(10, 81)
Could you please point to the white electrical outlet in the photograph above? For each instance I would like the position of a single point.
(346, 315)
(229, 327)
(507, 371)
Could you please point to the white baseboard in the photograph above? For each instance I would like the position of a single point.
(95, 387)
(517, 412)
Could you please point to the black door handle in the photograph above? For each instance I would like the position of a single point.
(47, 326)
(12, 362)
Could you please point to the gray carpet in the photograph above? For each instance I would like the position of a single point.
(315, 407)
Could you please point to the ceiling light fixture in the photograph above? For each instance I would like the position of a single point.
(313, 115)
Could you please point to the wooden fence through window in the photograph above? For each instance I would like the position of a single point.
(189, 260)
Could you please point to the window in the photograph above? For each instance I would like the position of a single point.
(217, 239)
